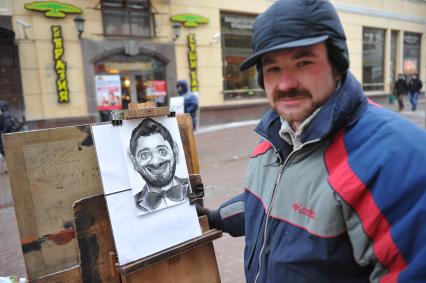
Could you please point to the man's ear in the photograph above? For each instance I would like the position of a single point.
(133, 159)
(176, 151)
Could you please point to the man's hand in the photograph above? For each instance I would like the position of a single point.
(213, 216)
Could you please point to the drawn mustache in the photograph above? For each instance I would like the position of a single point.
(156, 166)
(292, 93)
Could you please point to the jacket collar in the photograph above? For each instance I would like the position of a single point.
(343, 108)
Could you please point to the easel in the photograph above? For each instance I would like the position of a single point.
(191, 261)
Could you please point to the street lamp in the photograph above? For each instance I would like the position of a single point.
(176, 30)
(79, 25)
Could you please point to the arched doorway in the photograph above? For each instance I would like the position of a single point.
(10, 76)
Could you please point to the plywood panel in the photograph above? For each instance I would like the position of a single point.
(95, 239)
(49, 170)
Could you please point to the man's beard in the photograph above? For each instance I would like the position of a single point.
(159, 181)
(301, 114)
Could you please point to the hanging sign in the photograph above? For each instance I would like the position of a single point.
(53, 9)
(155, 88)
(192, 60)
(189, 20)
(60, 65)
(108, 92)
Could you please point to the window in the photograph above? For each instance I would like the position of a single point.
(127, 18)
(411, 61)
(393, 54)
(373, 59)
(237, 34)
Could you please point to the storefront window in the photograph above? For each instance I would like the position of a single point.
(394, 46)
(373, 59)
(127, 18)
(142, 77)
(411, 62)
(237, 34)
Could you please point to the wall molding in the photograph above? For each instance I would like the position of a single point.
(378, 13)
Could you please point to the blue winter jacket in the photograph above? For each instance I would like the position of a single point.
(190, 99)
(348, 206)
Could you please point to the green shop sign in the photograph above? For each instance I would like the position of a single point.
(192, 60)
(189, 20)
(53, 9)
(60, 65)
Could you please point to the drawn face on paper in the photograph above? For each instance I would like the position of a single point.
(155, 159)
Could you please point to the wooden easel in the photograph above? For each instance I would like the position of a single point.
(191, 261)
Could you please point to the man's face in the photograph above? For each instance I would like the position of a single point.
(155, 159)
(298, 81)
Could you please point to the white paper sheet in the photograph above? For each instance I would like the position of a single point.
(137, 236)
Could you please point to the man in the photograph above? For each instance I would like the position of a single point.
(400, 89)
(190, 101)
(154, 155)
(333, 192)
(414, 87)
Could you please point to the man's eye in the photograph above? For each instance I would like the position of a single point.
(303, 63)
(145, 155)
(272, 69)
(163, 152)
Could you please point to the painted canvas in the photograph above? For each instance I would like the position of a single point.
(145, 180)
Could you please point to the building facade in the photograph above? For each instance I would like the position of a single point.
(134, 50)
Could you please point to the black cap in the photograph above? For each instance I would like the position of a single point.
(295, 23)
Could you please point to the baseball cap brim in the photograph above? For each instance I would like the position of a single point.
(252, 59)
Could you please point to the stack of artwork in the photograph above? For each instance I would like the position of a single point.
(145, 181)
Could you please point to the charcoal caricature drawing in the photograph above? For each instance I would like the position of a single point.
(154, 155)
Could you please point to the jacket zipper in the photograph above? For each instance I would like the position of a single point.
(265, 231)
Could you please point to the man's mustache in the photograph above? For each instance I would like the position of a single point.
(292, 93)
(156, 166)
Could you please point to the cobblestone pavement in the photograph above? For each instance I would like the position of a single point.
(223, 156)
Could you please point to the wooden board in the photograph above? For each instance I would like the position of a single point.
(188, 141)
(49, 170)
(96, 242)
(94, 236)
(194, 266)
(71, 275)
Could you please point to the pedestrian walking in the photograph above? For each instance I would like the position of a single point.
(414, 87)
(190, 102)
(333, 191)
(400, 89)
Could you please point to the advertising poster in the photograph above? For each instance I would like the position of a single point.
(108, 92)
(155, 88)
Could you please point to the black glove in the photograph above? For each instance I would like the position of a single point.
(213, 216)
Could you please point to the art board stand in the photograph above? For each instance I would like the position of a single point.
(191, 261)
(52, 169)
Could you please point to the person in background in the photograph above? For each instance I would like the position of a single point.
(190, 101)
(400, 89)
(414, 87)
(6, 122)
(334, 191)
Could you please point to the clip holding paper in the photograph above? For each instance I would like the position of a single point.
(117, 118)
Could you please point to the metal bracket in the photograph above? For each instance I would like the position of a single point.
(193, 197)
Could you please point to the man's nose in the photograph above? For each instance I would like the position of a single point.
(155, 160)
(287, 82)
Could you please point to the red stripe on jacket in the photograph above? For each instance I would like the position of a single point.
(374, 103)
(261, 148)
(354, 192)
